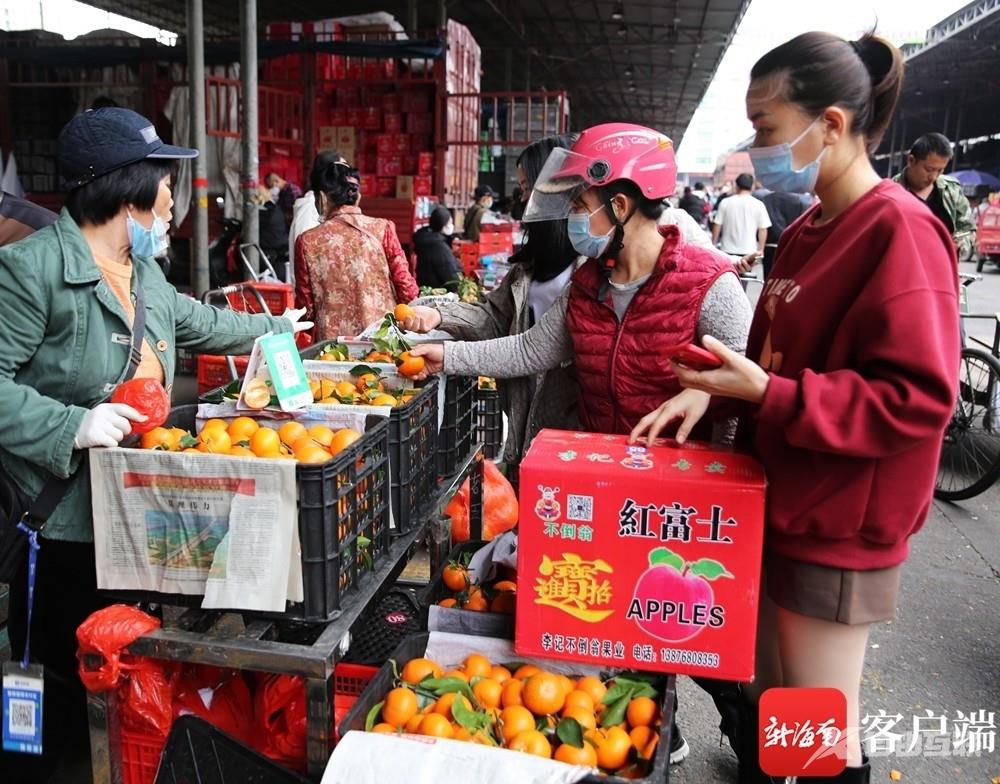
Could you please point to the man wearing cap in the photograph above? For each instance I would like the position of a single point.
(85, 306)
(483, 196)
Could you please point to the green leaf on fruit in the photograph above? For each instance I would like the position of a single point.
(614, 713)
(468, 718)
(442, 686)
(569, 731)
(372, 716)
(709, 569)
(663, 556)
(360, 370)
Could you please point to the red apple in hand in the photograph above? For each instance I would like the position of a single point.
(673, 599)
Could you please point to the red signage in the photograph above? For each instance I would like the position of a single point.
(635, 557)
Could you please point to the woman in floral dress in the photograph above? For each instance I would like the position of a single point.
(350, 270)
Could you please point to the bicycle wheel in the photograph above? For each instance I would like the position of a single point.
(970, 454)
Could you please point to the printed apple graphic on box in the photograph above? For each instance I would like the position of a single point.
(673, 599)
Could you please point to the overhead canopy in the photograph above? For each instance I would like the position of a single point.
(951, 83)
(651, 66)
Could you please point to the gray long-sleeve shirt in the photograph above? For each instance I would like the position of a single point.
(725, 315)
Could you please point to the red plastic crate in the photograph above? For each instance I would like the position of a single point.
(213, 371)
(277, 296)
(140, 756)
(349, 680)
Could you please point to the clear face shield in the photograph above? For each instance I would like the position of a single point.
(563, 178)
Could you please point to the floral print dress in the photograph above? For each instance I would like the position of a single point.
(349, 272)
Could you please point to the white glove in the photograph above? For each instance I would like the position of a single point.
(293, 315)
(106, 425)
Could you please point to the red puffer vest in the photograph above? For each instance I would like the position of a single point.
(622, 368)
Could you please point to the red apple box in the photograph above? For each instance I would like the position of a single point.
(636, 557)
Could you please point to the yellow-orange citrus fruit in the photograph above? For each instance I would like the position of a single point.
(531, 742)
(436, 726)
(641, 712)
(400, 706)
(488, 692)
(265, 442)
(415, 670)
(242, 428)
(585, 755)
(543, 694)
(514, 720)
(290, 432)
(343, 439)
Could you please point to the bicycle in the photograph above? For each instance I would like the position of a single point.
(970, 452)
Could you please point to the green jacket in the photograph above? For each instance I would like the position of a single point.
(961, 224)
(64, 346)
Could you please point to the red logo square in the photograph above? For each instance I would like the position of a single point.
(803, 732)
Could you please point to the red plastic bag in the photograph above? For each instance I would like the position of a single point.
(106, 633)
(280, 719)
(147, 396)
(146, 697)
(220, 697)
(499, 506)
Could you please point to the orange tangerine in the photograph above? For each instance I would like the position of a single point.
(242, 428)
(415, 670)
(531, 742)
(290, 432)
(343, 439)
(514, 720)
(214, 440)
(321, 434)
(256, 393)
(477, 664)
(265, 442)
(488, 692)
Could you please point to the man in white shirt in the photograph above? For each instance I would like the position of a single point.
(740, 225)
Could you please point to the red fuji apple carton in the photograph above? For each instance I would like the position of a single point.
(639, 557)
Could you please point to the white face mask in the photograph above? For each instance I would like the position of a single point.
(448, 230)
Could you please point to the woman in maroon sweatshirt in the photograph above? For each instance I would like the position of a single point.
(849, 378)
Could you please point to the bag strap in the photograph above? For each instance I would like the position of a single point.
(138, 330)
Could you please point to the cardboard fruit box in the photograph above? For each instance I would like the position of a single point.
(636, 557)
(450, 650)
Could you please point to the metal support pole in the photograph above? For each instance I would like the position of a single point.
(411, 18)
(249, 173)
(958, 135)
(199, 166)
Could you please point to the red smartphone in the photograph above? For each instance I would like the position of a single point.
(694, 357)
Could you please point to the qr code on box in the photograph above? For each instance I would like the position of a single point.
(580, 507)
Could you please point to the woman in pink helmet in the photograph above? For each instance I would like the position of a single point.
(641, 291)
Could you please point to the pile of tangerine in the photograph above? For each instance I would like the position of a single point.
(499, 596)
(245, 437)
(522, 711)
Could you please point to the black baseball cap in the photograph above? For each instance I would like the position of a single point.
(483, 190)
(101, 140)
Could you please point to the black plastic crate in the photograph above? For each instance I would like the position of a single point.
(392, 619)
(337, 500)
(197, 751)
(484, 624)
(455, 436)
(489, 422)
(413, 449)
(415, 645)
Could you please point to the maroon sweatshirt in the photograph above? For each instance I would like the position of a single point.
(858, 328)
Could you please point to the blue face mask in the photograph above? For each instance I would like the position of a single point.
(586, 244)
(774, 168)
(147, 242)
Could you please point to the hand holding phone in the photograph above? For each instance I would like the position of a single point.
(693, 357)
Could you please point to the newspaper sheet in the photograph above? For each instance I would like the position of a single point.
(199, 525)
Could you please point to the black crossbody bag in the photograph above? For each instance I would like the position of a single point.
(17, 511)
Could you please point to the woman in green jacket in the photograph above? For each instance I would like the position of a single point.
(68, 295)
